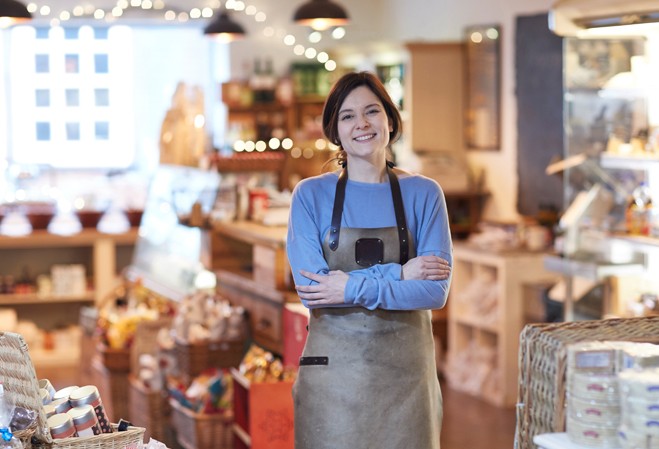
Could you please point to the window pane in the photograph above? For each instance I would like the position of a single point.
(42, 33)
(71, 63)
(41, 63)
(43, 131)
(43, 97)
(72, 97)
(102, 97)
(71, 33)
(100, 33)
(102, 130)
(101, 63)
(73, 131)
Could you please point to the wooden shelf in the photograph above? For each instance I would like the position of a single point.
(507, 274)
(35, 298)
(87, 237)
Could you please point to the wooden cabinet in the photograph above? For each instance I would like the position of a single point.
(103, 255)
(434, 96)
(486, 316)
(263, 413)
(253, 272)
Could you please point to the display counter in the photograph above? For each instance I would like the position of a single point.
(252, 271)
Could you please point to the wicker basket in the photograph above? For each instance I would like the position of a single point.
(146, 407)
(541, 402)
(200, 431)
(116, 360)
(149, 409)
(193, 359)
(21, 385)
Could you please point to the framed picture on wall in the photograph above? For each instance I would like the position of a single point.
(483, 96)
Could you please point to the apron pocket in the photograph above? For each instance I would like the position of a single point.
(314, 361)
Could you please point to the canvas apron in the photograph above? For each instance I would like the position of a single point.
(367, 379)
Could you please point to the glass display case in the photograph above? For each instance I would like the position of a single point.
(605, 116)
(611, 169)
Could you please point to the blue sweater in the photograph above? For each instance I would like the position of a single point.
(370, 206)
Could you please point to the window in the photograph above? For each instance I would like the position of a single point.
(76, 105)
(94, 97)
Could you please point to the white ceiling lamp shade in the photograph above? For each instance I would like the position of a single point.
(321, 15)
(224, 29)
(574, 17)
(13, 12)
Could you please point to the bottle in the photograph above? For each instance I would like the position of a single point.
(256, 82)
(639, 211)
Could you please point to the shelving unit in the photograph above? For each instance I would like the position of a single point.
(263, 413)
(103, 256)
(253, 272)
(498, 333)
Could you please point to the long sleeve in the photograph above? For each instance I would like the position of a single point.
(379, 286)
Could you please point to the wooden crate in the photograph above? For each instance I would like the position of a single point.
(263, 414)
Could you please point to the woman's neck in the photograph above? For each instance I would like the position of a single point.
(367, 171)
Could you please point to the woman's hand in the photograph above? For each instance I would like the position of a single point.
(426, 268)
(330, 288)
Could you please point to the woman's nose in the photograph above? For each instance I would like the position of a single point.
(361, 121)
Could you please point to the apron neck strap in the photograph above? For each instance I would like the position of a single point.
(401, 223)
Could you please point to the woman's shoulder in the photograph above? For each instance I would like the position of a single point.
(314, 183)
(416, 180)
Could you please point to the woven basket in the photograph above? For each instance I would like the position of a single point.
(149, 409)
(116, 360)
(21, 385)
(193, 359)
(200, 431)
(541, 401)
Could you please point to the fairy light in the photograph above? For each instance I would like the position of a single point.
(196, 13)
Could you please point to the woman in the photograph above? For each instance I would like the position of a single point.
(370, 251)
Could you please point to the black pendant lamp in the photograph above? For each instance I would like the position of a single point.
(12, 12)
(225, 29)
(321, 14)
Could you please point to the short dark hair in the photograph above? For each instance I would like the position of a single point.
(342, 88)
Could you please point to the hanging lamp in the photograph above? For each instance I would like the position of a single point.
(12, 12)
(321, 14)
(224, 29)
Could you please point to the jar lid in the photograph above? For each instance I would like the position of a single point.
(60, 422)
(83, 394)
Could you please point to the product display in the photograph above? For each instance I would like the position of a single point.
(605, 381)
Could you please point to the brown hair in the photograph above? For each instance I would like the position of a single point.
(340, 90)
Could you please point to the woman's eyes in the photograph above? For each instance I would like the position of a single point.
(368, 112)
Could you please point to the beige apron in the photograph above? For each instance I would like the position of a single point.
(367, 379)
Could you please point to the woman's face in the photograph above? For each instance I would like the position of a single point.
(363, 125)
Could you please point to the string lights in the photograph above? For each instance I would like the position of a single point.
(159, 10)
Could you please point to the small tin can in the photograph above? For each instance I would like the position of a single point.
(46, 385)
(64, 392)
(89, 395)
(85, 420)
(61, 405)
(61, 426)
(44, 396)
(49, 410)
